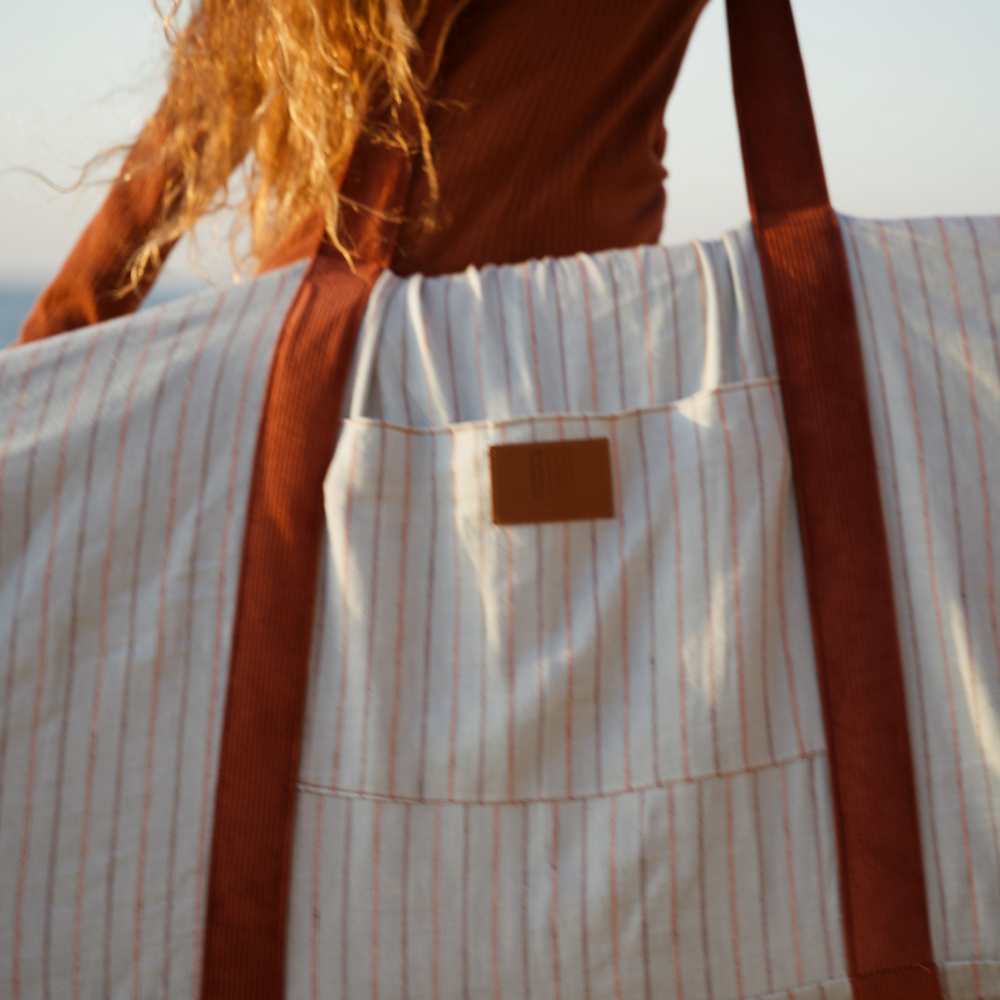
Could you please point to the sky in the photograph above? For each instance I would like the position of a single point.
(906, 95)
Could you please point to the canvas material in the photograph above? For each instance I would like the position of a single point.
(125, 459)
(715, 874)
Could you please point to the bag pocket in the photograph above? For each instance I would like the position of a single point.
(460, 660)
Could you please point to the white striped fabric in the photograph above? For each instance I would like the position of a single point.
(587, 760)
(125, 457)
(928, 301)
(576, 761)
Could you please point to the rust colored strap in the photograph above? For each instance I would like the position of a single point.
(245, 934)
(811, 306)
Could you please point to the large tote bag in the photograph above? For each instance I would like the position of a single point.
(279, 725)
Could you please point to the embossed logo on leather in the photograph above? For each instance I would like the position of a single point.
(546, 481)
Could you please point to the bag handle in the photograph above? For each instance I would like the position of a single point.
(249, 871)
(814, 326)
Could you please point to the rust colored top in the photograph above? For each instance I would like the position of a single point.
(548, 138)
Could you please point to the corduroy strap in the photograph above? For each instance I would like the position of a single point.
(245, 934)
(883, 900)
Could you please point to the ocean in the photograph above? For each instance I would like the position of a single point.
(16, 302)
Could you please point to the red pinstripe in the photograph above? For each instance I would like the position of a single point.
(704, 296)
(436, 906)
(317, 897)
(465, 902)
(782, 605)
(495, 926)
(645, 320)
(733, 895)
(376, 863)
(525, 923)
(570, 687)
(456, 650)
(759, 834)
(554, 931)
(431, 576)
(22, 864)
(317, 859)
(158, 663)
(618, 332)
(908, 591)
(42, 657)
(503, 343)
(703, 891)
(400, 622)
(366, 714)
(820, 873)
(96, 700)
(613, 889)
(541, 658)
(654, 666)
(345, 608)
(737, 604)
(345, 617)
(904, 340)
(626, 687)
(404, 373)
(511, 675)
(345, 902)
(404, 937)
(590, 334)
(677, 326)
(584, 918)
(534, 340)
(213, 698)
(679, 590)
(147, 791)
(483, 673)
(479, 360)
(790, 864)
(765, 576)
(598, 646)
(559, 332)
(675, 931)
(709, 603)
(451, 350)
(647, 978)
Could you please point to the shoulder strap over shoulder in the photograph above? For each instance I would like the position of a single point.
(811, 307)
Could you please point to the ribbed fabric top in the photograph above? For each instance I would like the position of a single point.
(548, 139)
(548, 131)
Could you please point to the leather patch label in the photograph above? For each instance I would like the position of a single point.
(551, 481)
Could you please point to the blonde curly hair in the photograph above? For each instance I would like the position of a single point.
(283, 87)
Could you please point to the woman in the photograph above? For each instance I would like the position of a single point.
(545, 136)
(524, 743)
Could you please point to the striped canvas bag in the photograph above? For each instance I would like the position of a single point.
(295, 703)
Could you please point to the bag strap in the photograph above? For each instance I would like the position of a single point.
(248, 885)
(806, 277)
